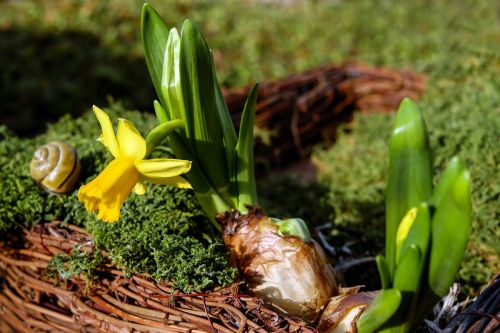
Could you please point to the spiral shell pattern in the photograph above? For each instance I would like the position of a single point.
(55, 166)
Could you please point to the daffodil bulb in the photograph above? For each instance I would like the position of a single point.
(128, 171)
(343, 310)
(292, 274)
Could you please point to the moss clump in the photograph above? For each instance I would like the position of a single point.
(152, 230)
(166, 234)
(78, 262)
(191, 265)
(355, 172)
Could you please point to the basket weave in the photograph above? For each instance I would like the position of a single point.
(31, 302)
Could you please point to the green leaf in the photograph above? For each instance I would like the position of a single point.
(383, 271)
(171, 81)
(403, 229)
(451, 225)
(160, 133)
(406, 276)
(418, 234)
(293, 227)
(203, 129)
(154, 35)
(208, 198)
(210, 201)
(410, 172)
(228, 136)
(247, 192)
(185, 86)
(380, 311)
(161, 114)
(450, 228)
(453, 170)
(410, 268)
(407, 279)
(212, 204)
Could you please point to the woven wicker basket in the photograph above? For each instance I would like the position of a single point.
(31, 302)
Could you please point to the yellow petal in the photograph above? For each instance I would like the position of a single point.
(132, 144)
(176, 181)
(163, 167)
(108, 135)
(109, 213)
(106, 193)
(139, 188)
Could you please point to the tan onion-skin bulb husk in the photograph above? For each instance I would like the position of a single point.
(293, 275)
(342, 312)
(56, 167)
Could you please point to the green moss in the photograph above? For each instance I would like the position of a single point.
(166, 234)
(60, 57)
(354, 170)
(191, 265)
(22, 202)
(77, 263)
(163, 233)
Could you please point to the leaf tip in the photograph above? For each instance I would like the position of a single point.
(407, 102)
(146, 7)
(188, 27)
(458, 163)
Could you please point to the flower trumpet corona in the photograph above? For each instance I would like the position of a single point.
(126, 173)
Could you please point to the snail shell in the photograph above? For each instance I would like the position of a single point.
(55, 166)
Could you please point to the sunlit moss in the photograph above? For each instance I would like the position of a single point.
(163, 233)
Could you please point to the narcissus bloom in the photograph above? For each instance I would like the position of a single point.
(107, 192)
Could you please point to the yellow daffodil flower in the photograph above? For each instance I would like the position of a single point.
(107, 192)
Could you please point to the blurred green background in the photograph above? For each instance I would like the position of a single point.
(60, 57)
